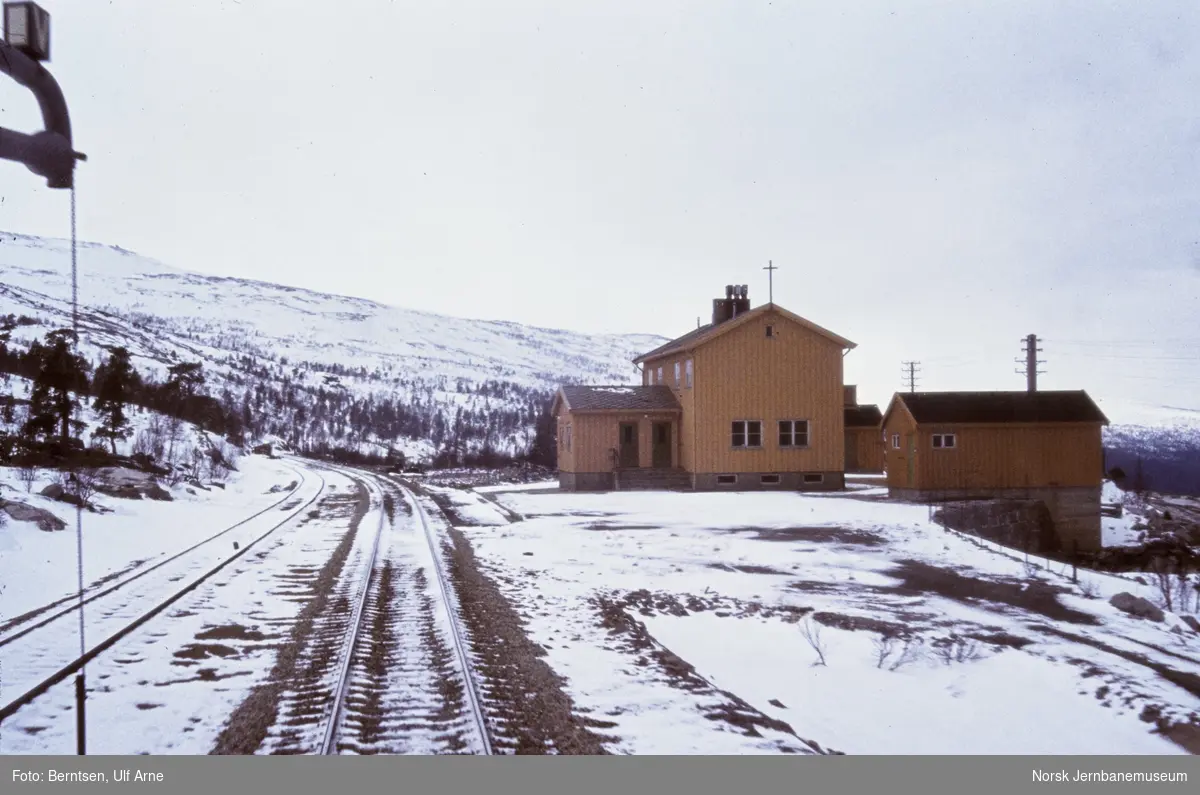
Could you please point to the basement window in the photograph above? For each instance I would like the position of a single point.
(726, 480)
(746, 433)
(814, 477)
(793, 433)
(770, 480)
(895, 441)
(943, 441)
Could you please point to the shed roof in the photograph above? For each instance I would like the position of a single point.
(705, 333)
(868, 416)
(1000, 407)
(619, 397)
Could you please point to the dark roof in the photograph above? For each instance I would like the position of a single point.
(997, 407)
(620, 398)
(678, 342)
(863, 416)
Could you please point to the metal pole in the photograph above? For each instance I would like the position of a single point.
(80, 680)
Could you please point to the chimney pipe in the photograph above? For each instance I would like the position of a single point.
(729, 291)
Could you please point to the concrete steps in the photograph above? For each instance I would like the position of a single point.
(653, 479)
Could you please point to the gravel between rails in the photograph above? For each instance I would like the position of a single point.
(526, 705)
(250, 723)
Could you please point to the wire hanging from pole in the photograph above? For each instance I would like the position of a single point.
(80, 681)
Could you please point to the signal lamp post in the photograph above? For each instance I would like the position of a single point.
(49, 154)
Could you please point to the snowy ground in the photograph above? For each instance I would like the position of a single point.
(170, 686)
(727, 583)
(38, 567)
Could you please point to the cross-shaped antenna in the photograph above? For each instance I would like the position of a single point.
(770, 269)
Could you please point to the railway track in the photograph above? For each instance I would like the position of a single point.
(16, 628)
(389, 667)
(127, 605)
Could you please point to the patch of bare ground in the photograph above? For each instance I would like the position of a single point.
(824, 535)
(231, 632)
(1184, 733)
(747, 569)
(249, 723)
(528, 710)
(648, 603)
(613, 526)
(1035, 596)
(637, 640)
(859, 623)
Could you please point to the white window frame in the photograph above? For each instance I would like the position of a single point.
(678, 378)
(940, 440)
(660, 374)
(568, 437)
(688, 372)
(745, 434)
(791, 434)
(895, 441)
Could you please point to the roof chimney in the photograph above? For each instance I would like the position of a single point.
(723, 307)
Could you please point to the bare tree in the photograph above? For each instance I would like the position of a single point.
(812, 634)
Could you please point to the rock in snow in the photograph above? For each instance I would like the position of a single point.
(1136, 606)
(20, 512)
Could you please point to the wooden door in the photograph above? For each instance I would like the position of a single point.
(662, 445)
(851, 451)
(628, 458)
(911, 442)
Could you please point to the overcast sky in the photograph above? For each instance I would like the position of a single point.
(934, 179)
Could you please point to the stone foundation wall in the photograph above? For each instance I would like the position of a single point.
(788, 481)
(1075, 512)
(585, 481)
(1024, 525)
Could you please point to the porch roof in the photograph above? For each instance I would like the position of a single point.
(618, 398)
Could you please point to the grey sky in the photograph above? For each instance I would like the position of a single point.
(934, 179)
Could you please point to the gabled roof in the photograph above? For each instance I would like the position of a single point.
(705, 334)
(868, 416)
(616, 398)
(999, 407)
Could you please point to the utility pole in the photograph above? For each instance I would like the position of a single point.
(1031, 362)
(770, 269)
(910, 375)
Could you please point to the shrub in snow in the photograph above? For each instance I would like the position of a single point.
(893, 652)
(956, 649)
(812, 634)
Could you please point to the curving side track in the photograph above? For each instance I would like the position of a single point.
(103, 589)
(192, 583)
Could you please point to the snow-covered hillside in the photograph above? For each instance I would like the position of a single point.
(301, 342)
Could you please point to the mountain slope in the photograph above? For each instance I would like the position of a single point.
(309, 349)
